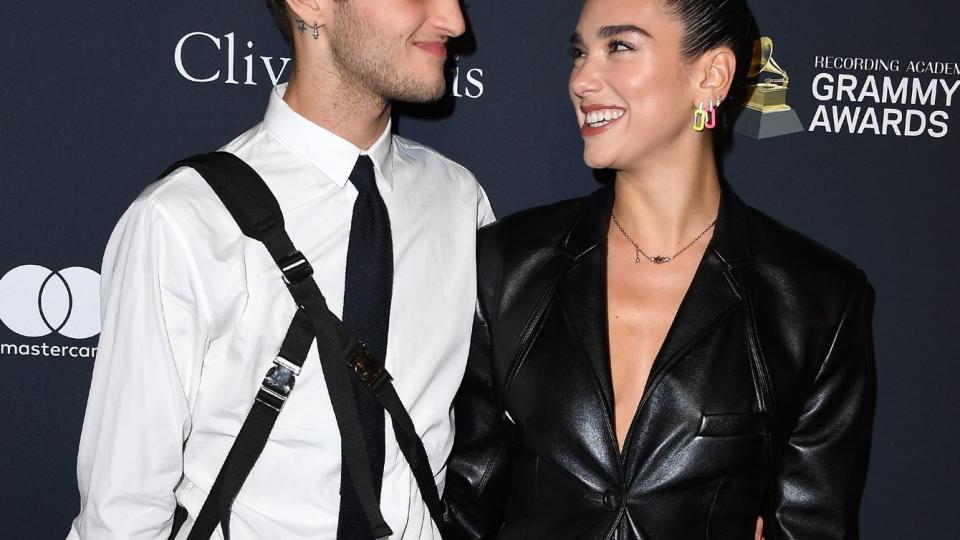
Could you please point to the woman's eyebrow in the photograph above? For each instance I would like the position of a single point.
(616, 29)
(610, 31)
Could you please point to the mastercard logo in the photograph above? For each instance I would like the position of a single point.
(37, 302)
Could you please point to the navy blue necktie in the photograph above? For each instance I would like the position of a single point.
(366, 314)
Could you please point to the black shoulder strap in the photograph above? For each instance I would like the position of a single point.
(256, 211)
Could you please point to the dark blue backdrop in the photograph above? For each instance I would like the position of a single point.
(94, 106)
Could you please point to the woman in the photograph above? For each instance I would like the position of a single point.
(658, 360)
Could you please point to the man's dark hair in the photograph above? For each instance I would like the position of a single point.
(278, 8)
(709, 24)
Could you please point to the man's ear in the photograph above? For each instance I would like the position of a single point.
(714, 72)
(313, 13)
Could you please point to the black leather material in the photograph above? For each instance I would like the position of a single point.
(760, 402)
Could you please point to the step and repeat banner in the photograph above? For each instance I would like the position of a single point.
(856, 146)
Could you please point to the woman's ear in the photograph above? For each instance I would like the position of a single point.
(714, 72)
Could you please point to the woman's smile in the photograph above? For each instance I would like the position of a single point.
(599, 118)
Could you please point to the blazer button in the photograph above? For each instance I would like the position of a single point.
(611, 499)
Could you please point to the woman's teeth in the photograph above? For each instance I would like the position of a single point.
(603, 117)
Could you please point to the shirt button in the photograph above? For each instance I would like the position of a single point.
(611, 499)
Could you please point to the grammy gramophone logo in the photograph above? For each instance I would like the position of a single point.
(766, 113)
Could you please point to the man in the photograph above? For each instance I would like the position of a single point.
(194, 311)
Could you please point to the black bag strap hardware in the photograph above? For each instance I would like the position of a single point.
(370, 371)
(257, 213)
(295, 268)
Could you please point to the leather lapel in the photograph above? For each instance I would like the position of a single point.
(710, 299)
(582, 291)
(713, 294)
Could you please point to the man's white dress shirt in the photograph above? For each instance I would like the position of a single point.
(194, 313)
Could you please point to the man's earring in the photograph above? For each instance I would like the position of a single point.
(302, 26)
(699, 118)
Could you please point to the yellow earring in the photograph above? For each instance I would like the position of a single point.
(699, 118)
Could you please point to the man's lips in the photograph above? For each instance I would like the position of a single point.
(436, 48)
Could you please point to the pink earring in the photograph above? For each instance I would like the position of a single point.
(711, 121)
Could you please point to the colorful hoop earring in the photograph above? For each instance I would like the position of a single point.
(699, 118)
(711, 115)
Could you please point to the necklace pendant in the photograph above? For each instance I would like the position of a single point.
(660, 259)
(638, 257)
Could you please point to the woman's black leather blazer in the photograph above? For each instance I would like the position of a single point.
(760, 402)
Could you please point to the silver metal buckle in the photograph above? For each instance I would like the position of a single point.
(278, 383)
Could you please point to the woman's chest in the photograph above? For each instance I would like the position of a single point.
(700, 406)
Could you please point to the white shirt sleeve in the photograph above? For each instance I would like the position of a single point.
(485, 213)
(145, 380)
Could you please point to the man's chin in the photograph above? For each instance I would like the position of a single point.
(422, 91)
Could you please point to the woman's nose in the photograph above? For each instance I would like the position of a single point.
(585, 80)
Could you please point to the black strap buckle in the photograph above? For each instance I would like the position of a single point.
(370, 370)
(278, 383)
(295, 268)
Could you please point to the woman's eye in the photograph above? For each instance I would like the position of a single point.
(576, 53)
(620, 46)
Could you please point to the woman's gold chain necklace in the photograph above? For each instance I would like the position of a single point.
(659, 259)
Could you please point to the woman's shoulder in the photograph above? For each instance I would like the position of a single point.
(789, 260)
(524, 250)
(533, 229)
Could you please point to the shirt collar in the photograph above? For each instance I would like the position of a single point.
(333, 155)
